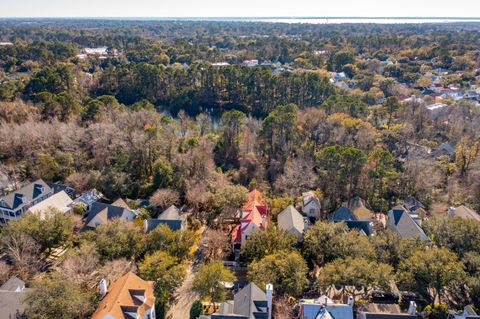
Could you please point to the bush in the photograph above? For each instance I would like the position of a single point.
(196, 310)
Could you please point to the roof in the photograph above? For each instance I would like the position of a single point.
(89, 197)
(171, 213)
(13, 284)
(104, 212)
(130, 294)
(383, 311)
(59, 201)
(404, 224)
(308, 197)
(342, 214)
(369, 315)
(359, 208)
(290, 219)
(311, 308)
(250, 301)
(253, 212)
(360, 225)
(29, 193)
(120, 203)
(12, 296)
(466, 213)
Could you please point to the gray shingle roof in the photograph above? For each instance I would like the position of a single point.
(13, 284)
(404, 224)
(25, 195)
(291, 220)
(170, 217)
(250, 302)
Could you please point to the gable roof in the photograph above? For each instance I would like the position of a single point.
(120, 203)
(404, 224)
(25, 195)
(290, 219)
(465, 212)
(359, 208)
(342, 214)
(130, 293)
(254, 212)
(309, 197)
(13, 284)
(105, 212)
(59, 201)
(171, 213)
(312, 307)
(250, 302)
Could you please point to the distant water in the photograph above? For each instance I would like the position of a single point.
(327, 20)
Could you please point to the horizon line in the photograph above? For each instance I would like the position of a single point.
(245, 17)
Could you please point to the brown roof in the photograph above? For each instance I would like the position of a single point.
(123, 293)
(120, 203)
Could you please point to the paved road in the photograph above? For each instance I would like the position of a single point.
(185, 298)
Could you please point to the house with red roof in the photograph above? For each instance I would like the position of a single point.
(254, 216)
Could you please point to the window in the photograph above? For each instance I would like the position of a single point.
(12, 214)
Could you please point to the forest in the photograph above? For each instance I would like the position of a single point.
(173, 112)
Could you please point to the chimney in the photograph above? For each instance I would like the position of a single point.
(350, 301)
(103, 285)
(269, 293)
(412, 308)
(451, 211)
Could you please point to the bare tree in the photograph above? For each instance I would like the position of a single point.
(113, 270)
(24, 253)
(215, 244)
(164, 197)
(80, 264)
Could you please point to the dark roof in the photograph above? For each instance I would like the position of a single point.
(25, 195)
(153, 223)
(364, 226)
(342, 214)
(97, 207)
(250, 302)
(13, 284)
(412, 204)
(57, 188)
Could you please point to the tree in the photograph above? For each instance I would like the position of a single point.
(466, 152)
(215, 245)
(391, 105)
(209, 281)
(432, 272)
(228, 146)
(177, 243)
(55, 297)
(165, 270)
(458, 235)
(116, 239)
(80, 265)
(391, 249)
(266, 242)
(196, 310)
(324, 242)
(49, 229)
(25, 254)
(286, 271)
(164, 198)
(352, 273)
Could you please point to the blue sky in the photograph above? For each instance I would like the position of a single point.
(243, 8)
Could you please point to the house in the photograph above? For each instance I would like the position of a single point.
(250, 63)
(12, 298)
(386, 311)
(325, 308)
(311, 206)
(359, 209)
(446, 148)
(13, 205)
(254, 217)
(292, 221)
(88, 198)
(59, 201)
(101, 213)
(415, 208)
(170, 217)
(344, 214)
(468, 313)
(128, 297)
(464, 212)
(249, 303)
(58, 187)
(401, 222)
